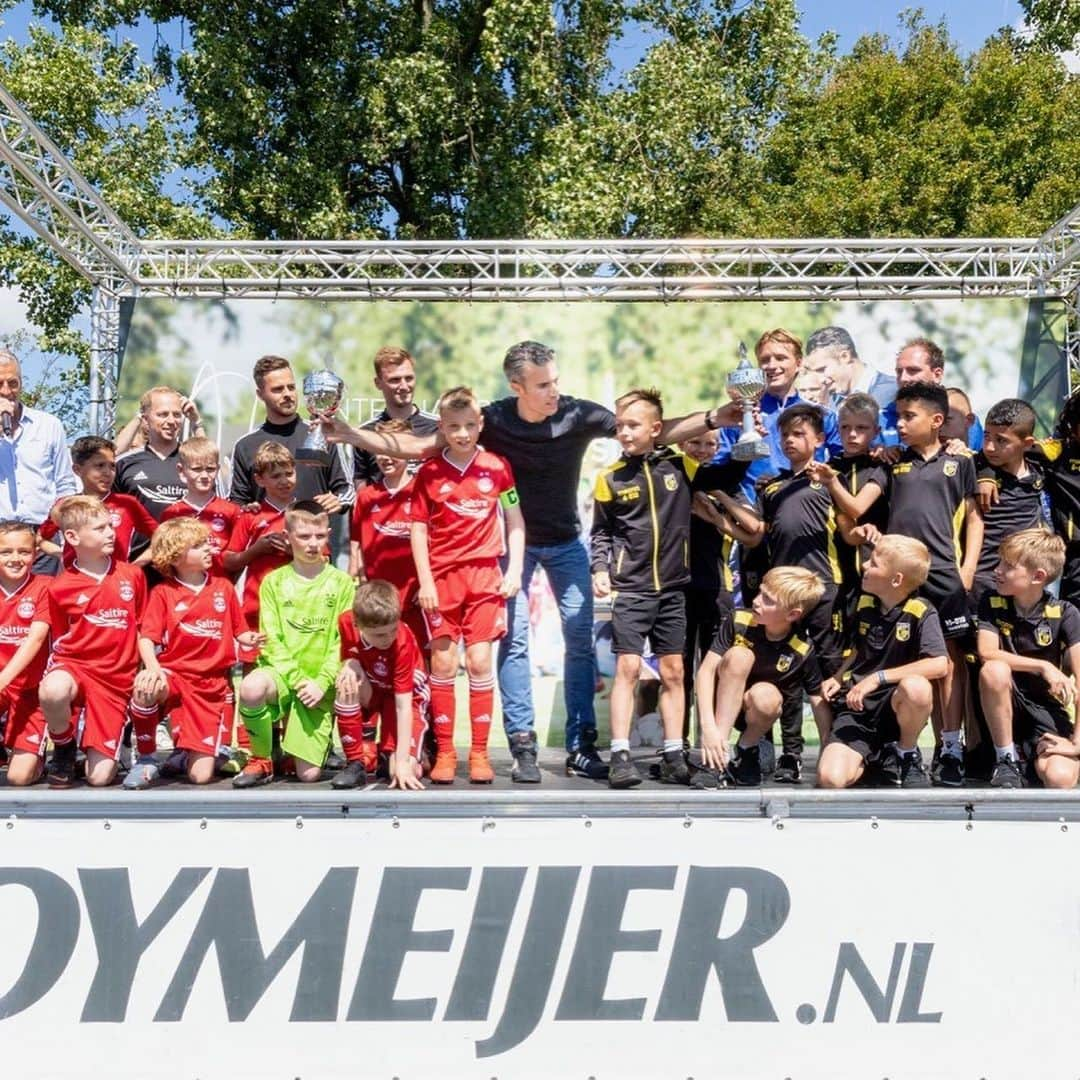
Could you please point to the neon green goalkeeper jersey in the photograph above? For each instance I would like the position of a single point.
(299, 617)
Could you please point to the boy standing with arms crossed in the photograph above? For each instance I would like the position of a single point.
(457, 540)
(96, 608)
(299, 606)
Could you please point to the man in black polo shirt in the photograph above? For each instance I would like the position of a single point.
(322, 478)
(544, 435)
(395, 378)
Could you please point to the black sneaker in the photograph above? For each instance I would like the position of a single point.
(705, 779)
(746, 768)
(335, 762)
(890, 770)
(1006, 774)
(524, 769)
(673, 768)
(788, 770)
(623, 772)
(912, 771)
(587, 763)
(62, 769)
(352, 776)
(950, 771)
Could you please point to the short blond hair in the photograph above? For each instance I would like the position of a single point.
(458, 397)
(199, 448)
(647, 394)
(376, 605)
(147, 399)
(173, 538)
(794, 587)
(1035, 549)
(271, 455)
(76, 510)
(305, 512)
(906, 554)
(392, 356)
(785, 337)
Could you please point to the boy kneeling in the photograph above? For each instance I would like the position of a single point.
(882, 695)
(757, 662)
(1025, 637)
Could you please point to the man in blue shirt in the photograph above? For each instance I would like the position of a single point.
(831, 350)
(779, 355)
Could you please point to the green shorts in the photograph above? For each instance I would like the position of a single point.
(308, 731)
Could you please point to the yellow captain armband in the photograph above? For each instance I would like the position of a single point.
(509, 498)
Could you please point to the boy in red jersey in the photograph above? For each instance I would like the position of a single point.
(190, 636)
(457, 540)
(198, 468)
(383, 683)
(24, 630)
(258, 543)
(379, 547)
(96, 607)
(93, 460)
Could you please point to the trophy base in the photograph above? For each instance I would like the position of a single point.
(313, 453)
(755, 449)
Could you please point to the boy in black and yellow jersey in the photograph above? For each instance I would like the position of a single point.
(931, 497)
(1027, 640)
(758, 661)
(640, 556)
(882, 696)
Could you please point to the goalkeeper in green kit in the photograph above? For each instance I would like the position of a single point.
(299, 605)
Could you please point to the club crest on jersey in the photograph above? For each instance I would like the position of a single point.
(380, 669)
(783, 663)
(485, 484)
(217, 524)
(671, 483)
(26, 608)
(127, 593)
(1043, 634)
(903, 631)
(219, 603)
(950, 468)
(114, 519)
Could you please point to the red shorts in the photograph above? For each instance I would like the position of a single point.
(200, 711)
(470, 606)
(382, 711)
(413, 617)
(24, 727)
(100, 707)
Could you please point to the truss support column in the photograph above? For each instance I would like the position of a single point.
(1072, 337)
(104, 357)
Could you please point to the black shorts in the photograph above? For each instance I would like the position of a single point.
(946, 592)
(824, 626)
(1038, 715)
(868, 729)
(658, 617)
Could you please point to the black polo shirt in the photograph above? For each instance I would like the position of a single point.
(151, 479)
(790, 664)
(1046, 633)
(905, 633)
(855, 473)
(1060, 462)
(927, 501)
(800, 524)
(546, 458)
(365, 471)
(1019, 506)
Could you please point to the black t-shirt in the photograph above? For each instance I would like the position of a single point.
(800, 524)
(546, 458)
(855, 473)
(908, 632)
(365, 471)
(926, 501)
(1046, 633)
(790, 664)
(314, 476)
(1019, 506)
(1060, 462)
(152, 480)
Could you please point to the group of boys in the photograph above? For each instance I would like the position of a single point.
(889, 586)
(111, 648)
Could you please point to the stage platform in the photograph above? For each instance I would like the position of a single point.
(557, 796)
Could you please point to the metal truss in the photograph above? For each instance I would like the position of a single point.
(104, 355)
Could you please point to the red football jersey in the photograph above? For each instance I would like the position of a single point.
(399, 669)
(461, 507)
(218, 515)
(95, 623)
(128, 517)
(196, 628)
(248, 529)
(380, 524)
(29, 603)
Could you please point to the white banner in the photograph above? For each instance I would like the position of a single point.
(516, 948)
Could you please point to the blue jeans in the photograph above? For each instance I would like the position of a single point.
(567, 568)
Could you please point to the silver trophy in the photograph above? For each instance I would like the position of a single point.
(323, 391)
(746, 385)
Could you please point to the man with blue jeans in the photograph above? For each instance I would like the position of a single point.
(544, 435)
